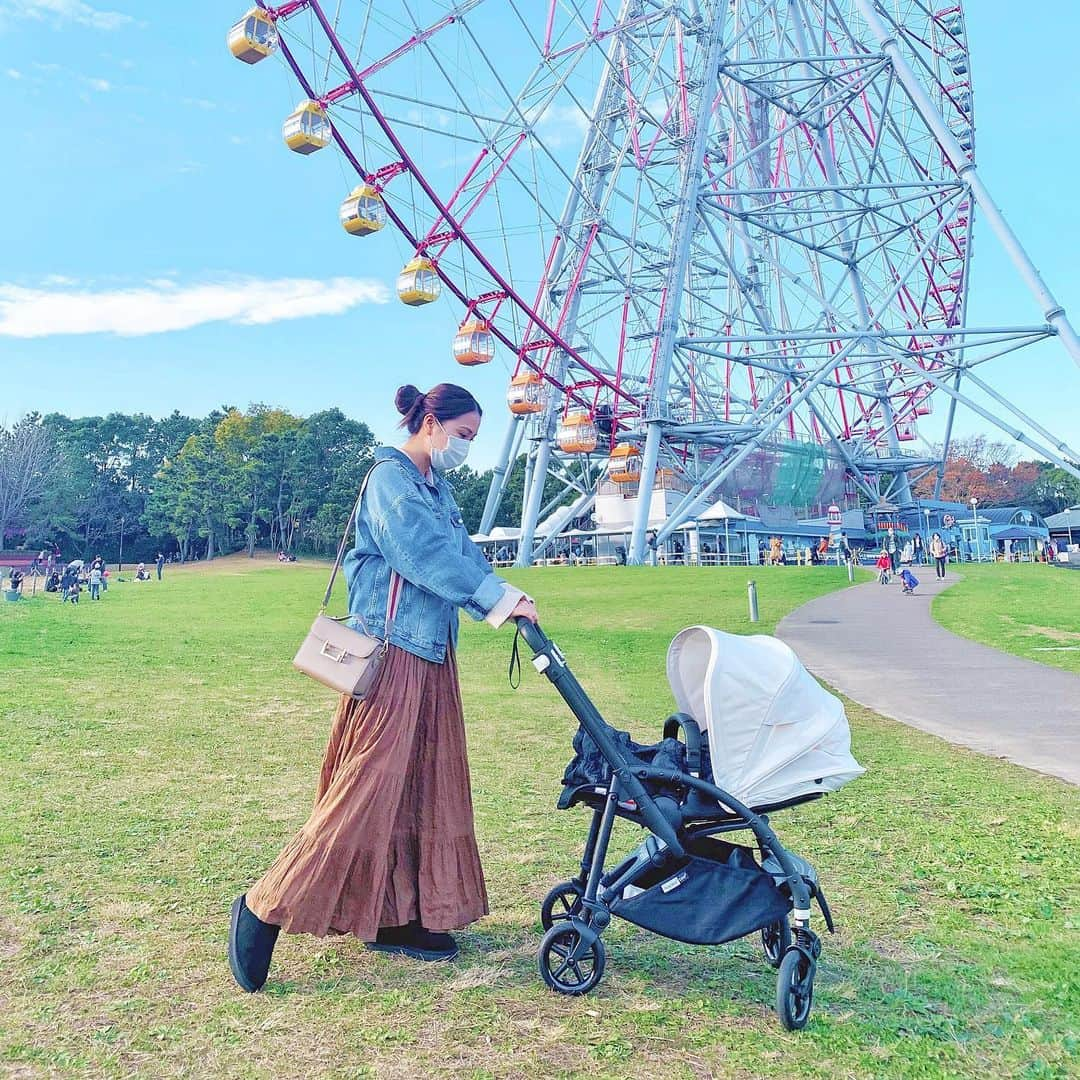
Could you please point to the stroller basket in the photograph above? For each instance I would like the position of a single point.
(718, 894)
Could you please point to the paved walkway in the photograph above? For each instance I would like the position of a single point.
(884, 650)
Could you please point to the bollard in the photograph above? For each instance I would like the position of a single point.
(751, 589)
(851, 569)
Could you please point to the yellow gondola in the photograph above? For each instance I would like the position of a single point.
(576, 433)
(418, 283)
(526, 394)
(474, 343)
(624, 465)
(363, 211)
(307, 128)
(253, 38)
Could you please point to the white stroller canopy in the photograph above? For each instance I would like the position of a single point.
(773, 732)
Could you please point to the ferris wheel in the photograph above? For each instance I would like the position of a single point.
(721, 247)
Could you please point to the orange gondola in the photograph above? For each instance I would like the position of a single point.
(474, 343)
(526, 394)
(576, 433)
(624, 465)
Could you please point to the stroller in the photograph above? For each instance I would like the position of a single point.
(758, 734)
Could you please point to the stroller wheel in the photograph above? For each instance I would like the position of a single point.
(559, 904)
(564, 974)
(775, 940)
(795, 990)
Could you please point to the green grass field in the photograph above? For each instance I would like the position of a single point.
(156, 750)
(1032, 610)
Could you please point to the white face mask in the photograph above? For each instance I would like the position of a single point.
(452, 454)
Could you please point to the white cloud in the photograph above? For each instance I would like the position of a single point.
(13, 73)
(100, 85)
(162, 306)
(61, 11)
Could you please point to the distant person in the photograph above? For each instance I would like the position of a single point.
(1051, 551)
(16, 579)
(823, 549)
(884, 567)
(73, 589)
(939, 552)
(918, 551)
(95, 583)
(843, 549)
(908, 581)
(159, 562)
(893, 548)
(620, 555)
(907, 553)
(776, 549)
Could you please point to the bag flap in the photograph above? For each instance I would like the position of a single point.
(337, 632)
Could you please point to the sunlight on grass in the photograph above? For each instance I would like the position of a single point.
(1028, 609)
(157, 749)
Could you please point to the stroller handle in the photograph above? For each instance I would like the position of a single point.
(549, 660)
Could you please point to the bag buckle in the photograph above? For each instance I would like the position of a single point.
(329, 649)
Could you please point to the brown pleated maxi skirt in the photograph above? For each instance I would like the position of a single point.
(390, 838)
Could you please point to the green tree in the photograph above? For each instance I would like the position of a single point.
(1054, 491)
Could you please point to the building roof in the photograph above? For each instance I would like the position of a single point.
(1067, 517)
(1019, 532)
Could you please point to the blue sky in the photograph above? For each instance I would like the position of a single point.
(144, 171)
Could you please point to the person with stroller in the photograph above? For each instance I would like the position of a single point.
(884, 567)
(939, 553)
(389, 852)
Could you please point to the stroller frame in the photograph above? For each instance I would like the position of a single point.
(681, 812)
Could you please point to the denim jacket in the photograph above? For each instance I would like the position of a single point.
(415, 527)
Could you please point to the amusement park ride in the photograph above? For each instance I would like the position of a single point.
(724, 244)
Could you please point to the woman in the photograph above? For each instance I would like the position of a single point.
(917, 548)
(389, 853)
(939, 553)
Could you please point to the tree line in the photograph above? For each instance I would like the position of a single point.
(233, 480)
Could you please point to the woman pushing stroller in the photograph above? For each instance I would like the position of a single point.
(389, 853)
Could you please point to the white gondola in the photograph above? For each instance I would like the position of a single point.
(774, 733)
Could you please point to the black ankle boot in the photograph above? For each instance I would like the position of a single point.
(251, 945)
(413, 940)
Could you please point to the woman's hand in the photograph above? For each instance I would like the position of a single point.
(525, 609)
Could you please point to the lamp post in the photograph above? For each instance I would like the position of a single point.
(120, 558)
(926, 534)
(975, 523)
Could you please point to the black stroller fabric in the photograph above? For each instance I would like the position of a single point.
(589, 766)
(718, 895)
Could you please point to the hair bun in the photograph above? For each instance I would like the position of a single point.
(406, 398)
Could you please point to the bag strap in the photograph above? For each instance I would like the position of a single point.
(394, 590)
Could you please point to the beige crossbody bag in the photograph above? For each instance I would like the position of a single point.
(335, 654)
